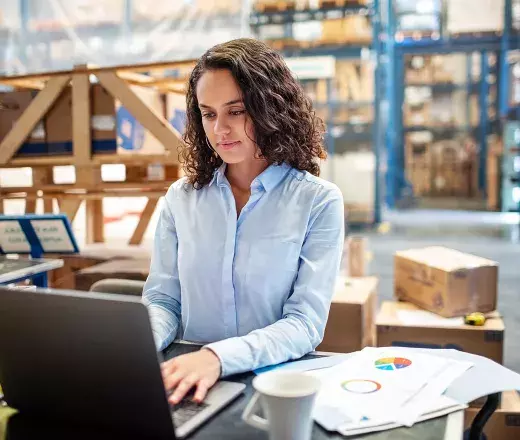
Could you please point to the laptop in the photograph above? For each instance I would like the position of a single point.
(90, 359)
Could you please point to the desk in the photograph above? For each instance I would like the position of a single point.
(14, 270)
(228, 424)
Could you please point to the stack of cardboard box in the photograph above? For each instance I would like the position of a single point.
(435, 287)
(442, 168)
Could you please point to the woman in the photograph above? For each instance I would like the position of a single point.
(248, 244)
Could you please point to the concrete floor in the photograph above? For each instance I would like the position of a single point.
(488, 235)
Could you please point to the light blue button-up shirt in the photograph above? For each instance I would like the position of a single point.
(256, 289)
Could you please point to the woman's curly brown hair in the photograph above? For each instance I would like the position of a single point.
(285, 125)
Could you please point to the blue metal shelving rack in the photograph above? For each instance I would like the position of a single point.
(394, 50)
(352, 132)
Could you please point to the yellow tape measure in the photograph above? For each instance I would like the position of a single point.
(476, 318)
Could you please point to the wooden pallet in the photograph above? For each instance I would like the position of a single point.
(89, 187)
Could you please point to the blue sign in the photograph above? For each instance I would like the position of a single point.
(36, 234)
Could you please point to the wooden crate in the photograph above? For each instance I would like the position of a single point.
(89, 186)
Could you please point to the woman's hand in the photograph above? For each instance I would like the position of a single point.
(200, 369)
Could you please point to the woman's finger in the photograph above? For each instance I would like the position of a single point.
(169, 367)
(182, 388)
(171, 381)
(202, 390)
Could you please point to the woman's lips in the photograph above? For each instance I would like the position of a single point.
(228, 145)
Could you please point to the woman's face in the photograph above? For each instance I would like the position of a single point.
(226, 122)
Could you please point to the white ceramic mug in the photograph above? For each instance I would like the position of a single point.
(287, 399)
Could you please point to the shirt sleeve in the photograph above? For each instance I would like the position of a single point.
(306, 311)
(162, 291)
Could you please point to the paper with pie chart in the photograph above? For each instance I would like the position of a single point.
(372, 387)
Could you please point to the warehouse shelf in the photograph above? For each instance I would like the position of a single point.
(395, 46)
(342, 104)
(446, 87)
(466, 43)
(440, 130)
(338, 50)
(261, 18)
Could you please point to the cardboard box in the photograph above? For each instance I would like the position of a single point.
(504, 424)
(446, 281)
(403, 324)
(12, 106)
(351, 322)
(418, 70)
(420, 177)
(356, 256)
(114, 129)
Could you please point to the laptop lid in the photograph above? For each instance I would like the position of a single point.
(84, 358)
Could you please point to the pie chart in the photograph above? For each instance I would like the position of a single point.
(392, 363)
(361, 386)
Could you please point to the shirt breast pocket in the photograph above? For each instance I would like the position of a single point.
(272, 266)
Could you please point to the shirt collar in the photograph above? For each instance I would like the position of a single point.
(268, 178)
(272, 176)
(219, 174)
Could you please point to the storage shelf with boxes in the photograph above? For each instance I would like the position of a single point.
(127, 118)
(437, 48)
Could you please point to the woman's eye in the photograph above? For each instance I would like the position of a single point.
(238, 112)
(208, 115)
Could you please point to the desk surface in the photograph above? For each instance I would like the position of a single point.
(15, 269)
(228, 423)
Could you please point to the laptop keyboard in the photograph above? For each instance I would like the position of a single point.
(185, 410)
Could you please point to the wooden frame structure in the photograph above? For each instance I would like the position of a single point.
(89, 186)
